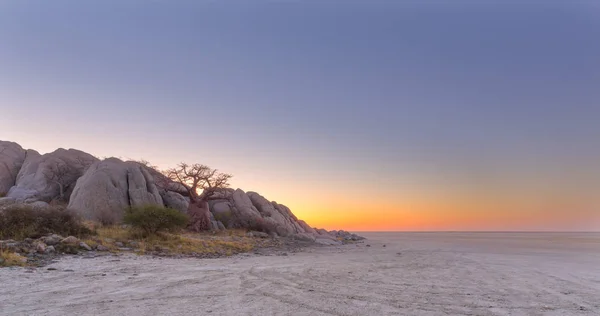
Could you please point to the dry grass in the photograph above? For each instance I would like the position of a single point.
(11, 259)
(195, 244)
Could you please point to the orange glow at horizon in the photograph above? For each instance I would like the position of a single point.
(448, 215)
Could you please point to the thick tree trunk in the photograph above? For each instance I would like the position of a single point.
(199, 216)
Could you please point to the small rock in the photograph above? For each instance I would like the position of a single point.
(368, 245)
(134, 244)
(28, 240)
(51, 269)
(102, 248)
(71, 240)
(40, 247)
(109, 240)
(85, 246)
(119, 244)
(52, 239)
(69, 270)
(50, 249)
(383, 246)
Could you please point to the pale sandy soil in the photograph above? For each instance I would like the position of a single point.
(415, 274)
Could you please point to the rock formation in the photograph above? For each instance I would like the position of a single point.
(110, 186)
(50, 176)
(12, 156)
(103, 190)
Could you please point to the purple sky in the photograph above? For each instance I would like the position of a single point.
(320, 100)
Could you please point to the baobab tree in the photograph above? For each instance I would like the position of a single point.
(198, 177)
(194, 178)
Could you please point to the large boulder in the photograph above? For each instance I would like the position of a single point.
(175, 200)
(50, 174)
(110, 186)
(276, 214)
(12, 156)
(243, 207)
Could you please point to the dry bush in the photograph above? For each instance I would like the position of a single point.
(106, 217)
(19, 222)
(2, 194)
(10, 259)
(152, 219)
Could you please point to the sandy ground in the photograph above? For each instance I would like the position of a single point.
(415, 274)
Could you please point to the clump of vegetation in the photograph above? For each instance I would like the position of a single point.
(11, 259)
(152, 219)
(2, 194)
(20, 222)
(190, 244)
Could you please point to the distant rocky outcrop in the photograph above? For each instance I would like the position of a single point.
(103, 190)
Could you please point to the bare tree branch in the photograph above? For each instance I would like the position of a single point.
(198, 177)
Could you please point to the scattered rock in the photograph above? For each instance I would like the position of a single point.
(85, 246)
(52, 240)
(40, 247)
(119, 244)
(327, 242)
(102, 248)
(71, 240)
(50, 249)
(346, 236)
(51, 269)
(368, 245)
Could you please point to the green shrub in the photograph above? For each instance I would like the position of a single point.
(152, 219)
(19, 222)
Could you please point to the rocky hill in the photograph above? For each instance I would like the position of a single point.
(101, 190)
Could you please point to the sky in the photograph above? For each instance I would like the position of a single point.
(360, 115)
